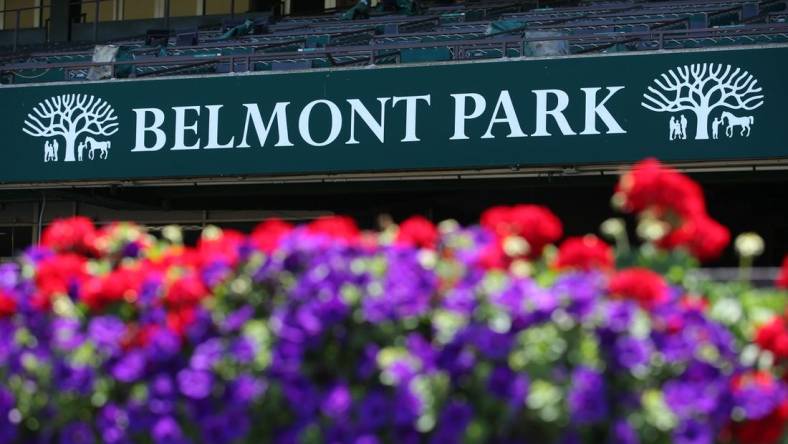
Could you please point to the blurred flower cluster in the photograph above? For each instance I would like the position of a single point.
(417, 333)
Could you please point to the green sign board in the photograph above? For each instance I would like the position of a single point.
(677, 106)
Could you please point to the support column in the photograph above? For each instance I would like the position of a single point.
(158, 9)
(59, 26)
(118, 7)
(275, 6)
(37, 14)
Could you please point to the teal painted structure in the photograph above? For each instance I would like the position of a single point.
(592, 86)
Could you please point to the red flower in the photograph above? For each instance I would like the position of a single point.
(225, 247)
(782, 278)
(267, 235)
(492, 256)
(766, 430)
(119, 285)
(137, 336)
(536, 224)
(773, 336)
(7, 305)
(179, 320)
(651, 186)
(586, 253)
(704, 237)
(175, 256)
(640, 284)
(694, 303)
(76, 234)
(336, 227)
(57, 275)
(498, 220)
(417, 231)
(186, 291)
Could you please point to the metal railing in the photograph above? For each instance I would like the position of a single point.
(18, 20)
(370, 54)
(45, 24)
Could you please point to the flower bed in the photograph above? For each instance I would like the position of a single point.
(322, 333)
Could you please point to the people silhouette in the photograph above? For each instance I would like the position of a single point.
(673, 127)
(683, 127)
(47, 151)
(715, 128)
(79, 150)
(54, 148)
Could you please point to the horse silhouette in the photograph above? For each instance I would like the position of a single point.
(93, 145)
(744, 122)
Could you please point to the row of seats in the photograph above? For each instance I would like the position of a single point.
(442, 33)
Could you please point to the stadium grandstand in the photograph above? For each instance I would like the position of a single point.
(229, 111)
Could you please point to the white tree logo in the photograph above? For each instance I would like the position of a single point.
(70, 116)
(701, 88)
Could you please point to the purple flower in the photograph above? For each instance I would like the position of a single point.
(366, 439)
(66, 334)
(106, 332)
(162, 385)
(457, 358)
(691, 431)
(149, 290)
(131, 249)
(421, 349)
(374, 411)
(247, 388)
(618, 315)
(302, 396)
(407, 407)
(112, 423)
(527, 302)
(454, 419)
(8, 431)
(243, 349)
(630, 352)
(407, 288)
(162, 394)
(623, 433)
(75, 378)
(582, 290)
(460, 300)
(129, 367)
(167, 431)
(587, 397)
(368, 361)
(490, 344)
(701, 389)
(36, 254)
(9, 276)
(195, 384)
(569, 436)
(77, 433)
(164, 345)
(237, 319)
(215, 273)
(225, 427)
(207, 354)
(759, 398)
(337, 401)
(507, 385)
